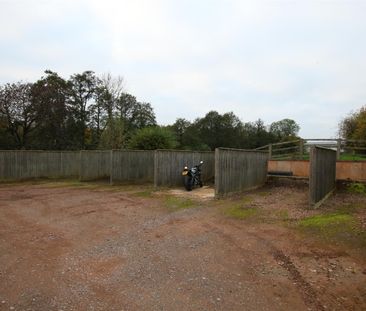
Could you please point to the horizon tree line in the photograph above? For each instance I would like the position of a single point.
(87, 111)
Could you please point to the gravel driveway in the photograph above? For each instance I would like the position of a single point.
(101, 248)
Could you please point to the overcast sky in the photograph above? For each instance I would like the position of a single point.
(268, 59)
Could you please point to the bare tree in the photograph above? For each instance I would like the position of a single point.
(112, 88)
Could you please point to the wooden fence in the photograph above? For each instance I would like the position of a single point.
(132, 166)
(346, 170)
(346, 149)
(169, 164)
(238, 170)
(322, 179)
(118, 165)
(94, 164)
(24, 164)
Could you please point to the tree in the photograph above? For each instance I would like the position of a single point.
(100, 114)
(151, 138)
(187, 135)
(354, 125)
(284, 129)
(20, 113)
(136, 115)
(142, 116)
(6, 140)
(256, 135)
(50, 95)
(217, 130)
(54, 113)
(113, 137)
(110, 90)
(83, 90)
(107, 92)
(179, 128)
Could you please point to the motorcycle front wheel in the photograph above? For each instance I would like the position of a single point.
(188, 182)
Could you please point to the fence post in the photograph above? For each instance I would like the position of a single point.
(61, 165)
(156, 168)
(338, 149)
(111, 168)
(217, 173)
(270, 151)
(81, 166)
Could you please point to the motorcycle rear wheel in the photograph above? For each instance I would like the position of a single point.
(188, 182)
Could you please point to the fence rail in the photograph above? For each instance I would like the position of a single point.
(346, 149)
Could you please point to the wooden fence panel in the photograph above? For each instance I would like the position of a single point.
(25, 164)
(170, 163)
(239, 170)
(95, 164)
(132, 166)
(70, 163)
(322, 179)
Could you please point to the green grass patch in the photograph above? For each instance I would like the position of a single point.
(282, 214)
(241, 212)
(177, 203)
(352, 157)
(245, 200)
(327, 222)
(357, 188)
(241, 209)
(296, 156)
(143, 194)
(338, 228)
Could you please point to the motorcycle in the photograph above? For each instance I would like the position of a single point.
(192, 177)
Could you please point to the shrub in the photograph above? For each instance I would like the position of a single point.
(151, 138)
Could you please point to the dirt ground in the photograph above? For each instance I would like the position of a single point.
(66, 246)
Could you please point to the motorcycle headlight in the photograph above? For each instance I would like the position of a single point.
(186, 168)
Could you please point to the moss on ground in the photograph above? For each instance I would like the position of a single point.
(241, 209)
(241, 212)
(177, 203)
(357, 188)
(282, 214)
(143, 194)
(336, 227)
(327, 222)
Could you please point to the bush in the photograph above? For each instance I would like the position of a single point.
(151, 138)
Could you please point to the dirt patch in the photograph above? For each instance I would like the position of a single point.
(204, 193)
(109, 248)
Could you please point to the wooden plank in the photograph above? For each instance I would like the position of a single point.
(322, 179)
(132, 166)
(239, 170)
